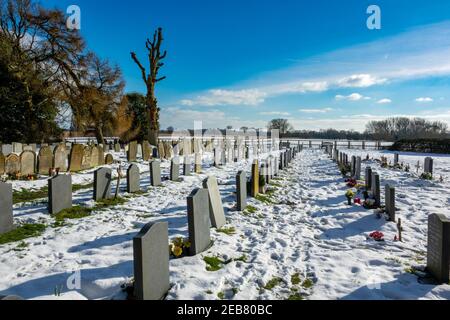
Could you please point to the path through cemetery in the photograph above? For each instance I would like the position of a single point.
(301, 240)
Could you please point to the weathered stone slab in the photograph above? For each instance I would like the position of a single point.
(198, 163)
(133, 179)
(6, 208)
(155, 173)
(376, 189)
(109, 159)
(429, 163)
(45, 160)
(358, 168)
(199, 221)
(161, 151)
(7, 149)
(187, 166)
(132, 151)
(175, 169)
(241, 190)
(102, 184)
(76, 158)
(17, 147)
(438, 255)
(217, 214)
(396, 159)
(101, 156)
(27, 163)
(368, 177)
(59, 193)
(94, 157)
(151, 262)
(60, 158)
(12, 164)
(390, 202)
(146, 151)
(2, 163)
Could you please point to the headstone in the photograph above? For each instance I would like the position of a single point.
(161, 150)
(60, 158)
(376, 189)
(255, 179)
(59, 193)
(151, 262)
(86, 160)
(132, 151)
(133, 179)
(76, 158)
(428, 168)
(146, 151)
(396, 159)
(27, 163)
(175, 169)
(6, 208)
(358, 168)
(45, 160)
(390, 202)
(217, 214)
(109, 159)
(217, 157)
(368, 178)
(198, 163)
(17, 147)
(12, 164)
(353, 166)
(241, 190)
(7, 149)
(438, 255)
(94, 157)
(2, 163)
(139, 152)
(187, 166)
(155, 173)
(199, 221)
(168, 150)
(116, 147)
(102, 184)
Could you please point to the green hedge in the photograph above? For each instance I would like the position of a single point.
(423, 145)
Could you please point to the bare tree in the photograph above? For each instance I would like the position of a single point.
(151, 78)
(282, 125)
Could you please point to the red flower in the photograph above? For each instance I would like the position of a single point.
(377, 236)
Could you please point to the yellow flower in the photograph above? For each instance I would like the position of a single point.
(187, 244)
(177, 251)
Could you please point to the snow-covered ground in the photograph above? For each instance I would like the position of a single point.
(308, 241)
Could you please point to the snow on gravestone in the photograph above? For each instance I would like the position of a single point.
(438, 255)
(59, 193)
(175, 169)
(217, 214)
(133, 179)
(155, 173)
(76, 157)
(241, 190)
(6, 208)
(102, 184)
(27, 162)
(198, 221)
(151, 262)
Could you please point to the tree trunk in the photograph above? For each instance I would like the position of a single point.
(99, 135)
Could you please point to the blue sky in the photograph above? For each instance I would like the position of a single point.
(315, 63)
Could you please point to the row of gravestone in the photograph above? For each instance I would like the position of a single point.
(28, 163)
(438, 248)
(205, 210)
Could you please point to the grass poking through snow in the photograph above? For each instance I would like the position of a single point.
(22, 232)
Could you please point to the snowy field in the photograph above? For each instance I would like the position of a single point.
(305, 243)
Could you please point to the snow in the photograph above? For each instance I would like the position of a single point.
(309, 231)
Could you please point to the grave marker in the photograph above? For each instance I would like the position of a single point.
(109, 159)
(59, 193)
(45, 160)
(2, 163)
(241, 190)
(12, 164)
(390, 202)
(187, 166)
(151, 262)
(198, 221)
(255, 179)
(60, 158)
(27, 163)
(155, 173)
(76, 157)
(6, 208)
(132, 151)
(217, 214)
(175, 169)
(102, 184)
(438, 255)
(376, 189)
(133, 179)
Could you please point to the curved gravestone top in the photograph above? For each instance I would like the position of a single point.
(76, 157)
(28, 162)
(2, 163)
(94, 157)
(12, 164)
(60, 157)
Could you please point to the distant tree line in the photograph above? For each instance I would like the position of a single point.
(391, 129)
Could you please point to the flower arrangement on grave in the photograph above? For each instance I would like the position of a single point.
(351, 183)
(426, 176)
(357, 201)
(377, 236)
(179, 247)
(350, 195)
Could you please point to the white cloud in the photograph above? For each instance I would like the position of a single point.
(352, 97)
(325, 110)
(384, 101)
(360, 81)
(274, 113)
(424, 99)
(217, 97)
